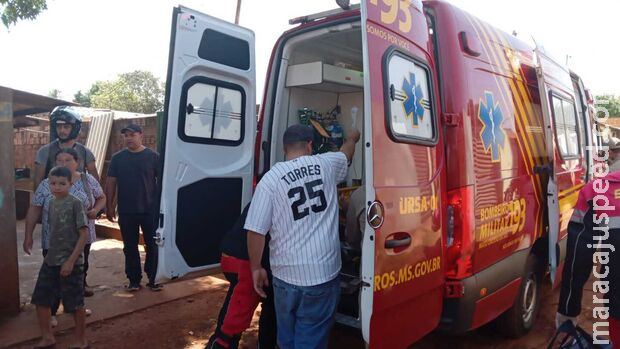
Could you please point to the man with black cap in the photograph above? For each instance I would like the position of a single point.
(135, 170)
(296, 201)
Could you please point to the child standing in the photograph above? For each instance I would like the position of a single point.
(62, 272)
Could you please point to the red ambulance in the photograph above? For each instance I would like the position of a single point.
(472, 154)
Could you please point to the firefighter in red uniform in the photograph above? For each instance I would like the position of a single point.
(597, 211)
(241, 300)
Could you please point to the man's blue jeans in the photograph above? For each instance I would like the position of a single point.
(305, 314)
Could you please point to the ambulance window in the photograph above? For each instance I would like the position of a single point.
(224, 49)
(581, 118)
(566, 127)
(211, 112)
(409, 100)
(571, 127)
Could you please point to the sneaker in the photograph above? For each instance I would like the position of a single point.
(133, 287)
(53, 321)
(154, 287)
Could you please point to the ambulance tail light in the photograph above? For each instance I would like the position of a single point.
(460, 233)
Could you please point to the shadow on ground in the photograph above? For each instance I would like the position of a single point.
(107, 278)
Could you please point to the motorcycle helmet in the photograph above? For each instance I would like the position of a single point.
(65, 115)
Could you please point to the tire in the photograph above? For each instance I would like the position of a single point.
(520, 318)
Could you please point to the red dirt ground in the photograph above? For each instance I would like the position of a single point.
(188, 322)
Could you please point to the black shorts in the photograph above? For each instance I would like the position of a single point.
(51, 286)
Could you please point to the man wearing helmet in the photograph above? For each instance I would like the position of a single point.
(65, 124)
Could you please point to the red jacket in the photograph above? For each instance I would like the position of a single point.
(602, 195)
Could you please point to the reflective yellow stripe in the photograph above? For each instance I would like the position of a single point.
(521, 117)
(502, 89)
(577, 216)
(614, 222)
(569, 190)
(520, 111)
(537, 147)
(517, 73)
(569, 201)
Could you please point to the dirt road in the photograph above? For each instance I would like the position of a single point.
(188, 322)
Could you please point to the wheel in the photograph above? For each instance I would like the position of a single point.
(520, 318)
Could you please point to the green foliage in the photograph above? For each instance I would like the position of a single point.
(82, 99)
(55, 93)
(12, 11)
(613, 105)
(137, 92)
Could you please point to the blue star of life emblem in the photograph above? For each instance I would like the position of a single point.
(414, 98)
(492, 134)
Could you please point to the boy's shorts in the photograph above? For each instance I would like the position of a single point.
(51, 286)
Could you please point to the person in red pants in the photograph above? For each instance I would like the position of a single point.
(241, 300)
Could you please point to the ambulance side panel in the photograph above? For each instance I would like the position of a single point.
(494, 142)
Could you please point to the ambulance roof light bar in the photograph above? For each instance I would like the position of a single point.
(314, 17)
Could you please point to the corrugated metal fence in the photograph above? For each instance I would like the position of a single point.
(99, 137)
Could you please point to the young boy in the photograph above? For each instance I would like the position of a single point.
(62, 272)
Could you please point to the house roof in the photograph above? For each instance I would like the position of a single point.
(613, 122)
(26, 103)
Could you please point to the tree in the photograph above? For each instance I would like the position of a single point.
(138, 92)
(55, 93)
(12, 11)
(82, 99)
(613, 105)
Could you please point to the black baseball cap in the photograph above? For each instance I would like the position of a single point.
(132, 128)
(297, 133)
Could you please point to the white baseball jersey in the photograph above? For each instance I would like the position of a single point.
(297, 202)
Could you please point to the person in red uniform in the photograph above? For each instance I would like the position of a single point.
(596, 212)
(241, 300)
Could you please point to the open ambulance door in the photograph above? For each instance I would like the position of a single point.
(402, 251)
(563, 151)
(208, 135)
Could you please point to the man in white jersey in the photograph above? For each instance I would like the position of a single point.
(297, 202)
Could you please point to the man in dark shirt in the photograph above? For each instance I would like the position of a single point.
(241, 300)
(135, 170)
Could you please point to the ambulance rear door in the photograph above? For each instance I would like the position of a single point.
(402, 263)
(207, 147)
(564, 150)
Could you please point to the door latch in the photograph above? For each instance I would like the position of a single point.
(159, 239)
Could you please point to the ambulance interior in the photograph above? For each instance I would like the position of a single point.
(320, 84)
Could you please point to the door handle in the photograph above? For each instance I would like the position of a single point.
(396, 243)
